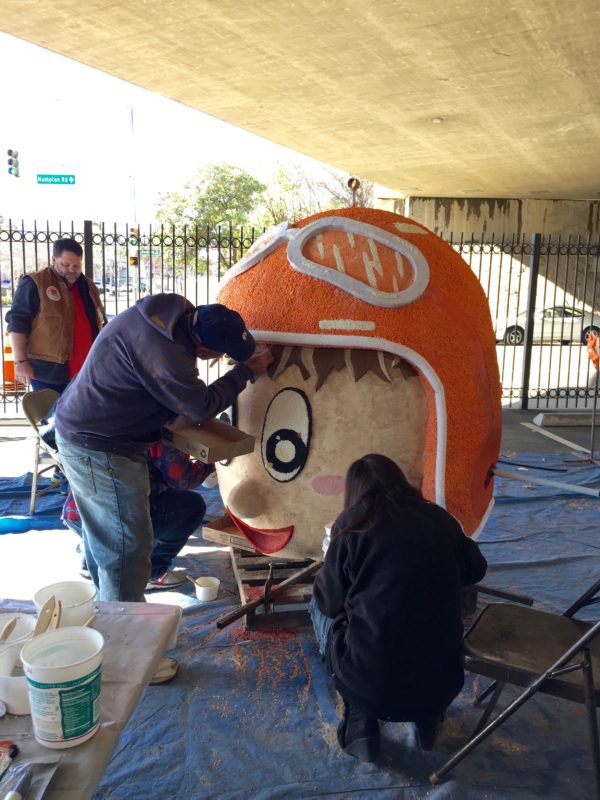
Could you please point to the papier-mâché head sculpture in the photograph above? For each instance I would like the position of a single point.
(383, 343)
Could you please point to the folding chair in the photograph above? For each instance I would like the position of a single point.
(36, 406)
(548, 653)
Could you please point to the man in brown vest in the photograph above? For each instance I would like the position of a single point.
(55, 316)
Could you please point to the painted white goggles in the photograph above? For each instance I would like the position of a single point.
(374, 265)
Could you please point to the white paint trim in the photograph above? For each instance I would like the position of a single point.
(346, 282)
(372, 343)
(484, 520)
(409, 227)
(296, 238)
(258, 251)
(346, 325)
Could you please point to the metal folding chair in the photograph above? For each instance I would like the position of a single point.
(36, 406)
(548, 653)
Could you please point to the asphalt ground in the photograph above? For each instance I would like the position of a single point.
(521, 435)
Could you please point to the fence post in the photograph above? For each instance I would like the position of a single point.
(88, 249)
(534, 268)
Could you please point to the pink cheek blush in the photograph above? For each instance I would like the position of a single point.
(328, 485)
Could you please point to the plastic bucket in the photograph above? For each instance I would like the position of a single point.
(207, 588)
(22, 630)
(63, 671)
(13, 685)
(76, 599)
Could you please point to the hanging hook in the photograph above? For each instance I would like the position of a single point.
(354, 186)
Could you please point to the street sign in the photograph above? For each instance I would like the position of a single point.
(150, 251)
(69, 180)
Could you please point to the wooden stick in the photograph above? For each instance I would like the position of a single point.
(8, 629)
(504, 595)
(275, 590)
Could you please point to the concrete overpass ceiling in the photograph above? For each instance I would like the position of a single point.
(496, 99)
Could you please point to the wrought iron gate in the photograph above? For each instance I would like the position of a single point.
(544, 293)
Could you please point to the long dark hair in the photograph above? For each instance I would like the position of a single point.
(374, 483)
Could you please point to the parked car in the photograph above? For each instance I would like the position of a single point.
(107, 288)
(554, 324)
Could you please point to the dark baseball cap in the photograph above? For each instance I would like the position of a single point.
(221, 329)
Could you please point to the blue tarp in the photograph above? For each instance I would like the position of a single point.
(14, 505)
(253, 715)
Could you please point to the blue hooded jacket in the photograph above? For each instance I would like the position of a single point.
(140, 373)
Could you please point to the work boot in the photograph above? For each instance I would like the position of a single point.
(427, 729)
(358, 734)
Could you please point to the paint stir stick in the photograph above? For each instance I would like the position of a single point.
(8, 629)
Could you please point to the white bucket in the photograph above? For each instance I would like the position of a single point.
(21, 632)
(76, 600)
(63, 671)
(13, 685)
(207, 588)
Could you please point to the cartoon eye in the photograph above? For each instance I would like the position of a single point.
(286, 435)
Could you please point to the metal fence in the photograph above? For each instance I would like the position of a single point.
(544, 294)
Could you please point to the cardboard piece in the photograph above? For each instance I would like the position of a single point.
(211, 442)
(222, 531)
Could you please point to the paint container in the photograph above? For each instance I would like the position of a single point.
(76, 599)
(207, 588)
(22, 630)
(63, 671)
(13, 685)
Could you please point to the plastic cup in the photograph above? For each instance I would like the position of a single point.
(207, 588)
(76, 599)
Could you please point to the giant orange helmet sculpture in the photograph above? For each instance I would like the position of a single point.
(365, 279)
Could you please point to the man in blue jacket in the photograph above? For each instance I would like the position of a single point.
(140, 373)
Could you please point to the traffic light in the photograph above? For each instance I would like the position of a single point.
(133, 261)
(13, 162)
(134, 235)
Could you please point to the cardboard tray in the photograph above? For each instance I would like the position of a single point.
(211, 442)
(223, 531)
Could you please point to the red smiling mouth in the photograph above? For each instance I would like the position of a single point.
(264, 540)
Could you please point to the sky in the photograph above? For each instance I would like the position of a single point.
(123, 144)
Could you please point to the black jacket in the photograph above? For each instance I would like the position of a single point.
(395, 594)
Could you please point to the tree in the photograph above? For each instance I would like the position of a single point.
(220, 198)
(218, 195)
(338, 186)
(293, 194)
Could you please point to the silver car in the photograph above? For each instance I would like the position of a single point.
(554, 324)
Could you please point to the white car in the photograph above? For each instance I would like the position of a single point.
(554, 324)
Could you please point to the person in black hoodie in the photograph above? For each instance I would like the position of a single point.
(386, 606)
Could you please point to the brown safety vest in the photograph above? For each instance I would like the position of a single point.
(51, 337)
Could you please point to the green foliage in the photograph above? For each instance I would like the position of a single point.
(218, 195)
(293, 194)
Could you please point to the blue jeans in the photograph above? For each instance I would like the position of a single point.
(111, 493)
(321, 624)
(175, 514)
(58, 387)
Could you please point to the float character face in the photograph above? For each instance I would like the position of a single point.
(317, 411)
(363, 279)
